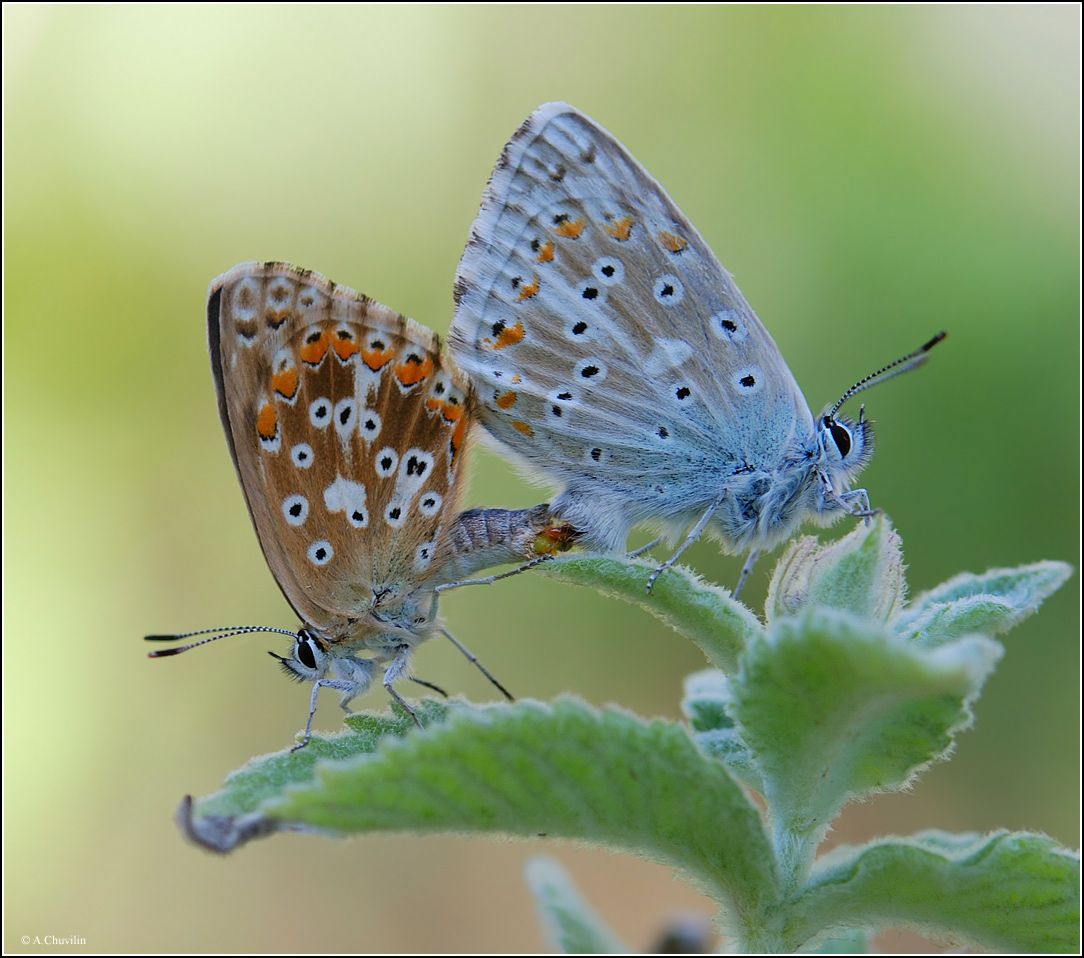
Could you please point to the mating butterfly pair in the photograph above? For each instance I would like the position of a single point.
(605, 346)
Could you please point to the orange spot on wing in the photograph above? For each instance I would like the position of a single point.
(377, 358)
(545, 254)
(315, 347)
(345, 346)
(459, 434)
(285, 383)
(622, 229)
(267, 423)
(517, 379)
(570, 229)
(672, 243)
(509, 336)
(527, 292)
(413, 370)
(507, 400)
(433, 404)
(452, 412)
(523, 428)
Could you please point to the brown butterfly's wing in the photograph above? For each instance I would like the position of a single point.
(347, 432)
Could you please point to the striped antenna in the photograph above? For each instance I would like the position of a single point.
(222, 633)
(903, 365)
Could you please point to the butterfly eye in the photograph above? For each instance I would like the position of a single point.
(841, 435)
(304, 651)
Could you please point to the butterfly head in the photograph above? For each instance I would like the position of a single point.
(384, 632)
(846, 447)
(309, 658)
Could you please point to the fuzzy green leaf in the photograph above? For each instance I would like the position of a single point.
(705, 613)
(573, 926)
(1004, 891)
(563, 770)
(266, 776)
(833, 708)
(707, 699)
(862, 573)
(991, 603)
(855, 942)
(230, 817)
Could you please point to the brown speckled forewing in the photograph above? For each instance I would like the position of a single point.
(347, 434)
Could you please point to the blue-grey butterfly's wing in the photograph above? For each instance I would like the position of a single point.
(610, 349)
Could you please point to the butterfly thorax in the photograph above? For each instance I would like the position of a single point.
(760, 509)
(351, 649)
(396, 620)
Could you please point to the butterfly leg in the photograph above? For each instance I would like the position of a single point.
(490, 579)
(429, 685)
(474, 661)
(639, 552)
(689, 540)
(395, 671)
(858, 502)
(339, 685)
(746, 570)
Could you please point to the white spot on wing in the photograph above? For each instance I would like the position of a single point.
(369, 425)
(301, 455)
(430, 504)
(396, 513)
(608, 270)
(414, 469)
(591, 294)
(310, 304)
(346, 417)
(590, 370)
(729, 325)
(669, 290)
(385, 462)
(320, 412)
(274, 444)
(667, 354)
(347, 496)
(295, 510)
(747, 380)
(249, 286)
(423, 556)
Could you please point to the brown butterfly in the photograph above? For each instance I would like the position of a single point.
(348, 432)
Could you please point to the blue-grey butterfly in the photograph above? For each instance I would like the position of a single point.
(348, 432)
(613, 353)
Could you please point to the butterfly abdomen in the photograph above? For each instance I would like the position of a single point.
(481, 538)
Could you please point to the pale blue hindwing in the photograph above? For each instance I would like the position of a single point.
(613, 353)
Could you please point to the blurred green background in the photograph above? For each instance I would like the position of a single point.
(870, 175)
